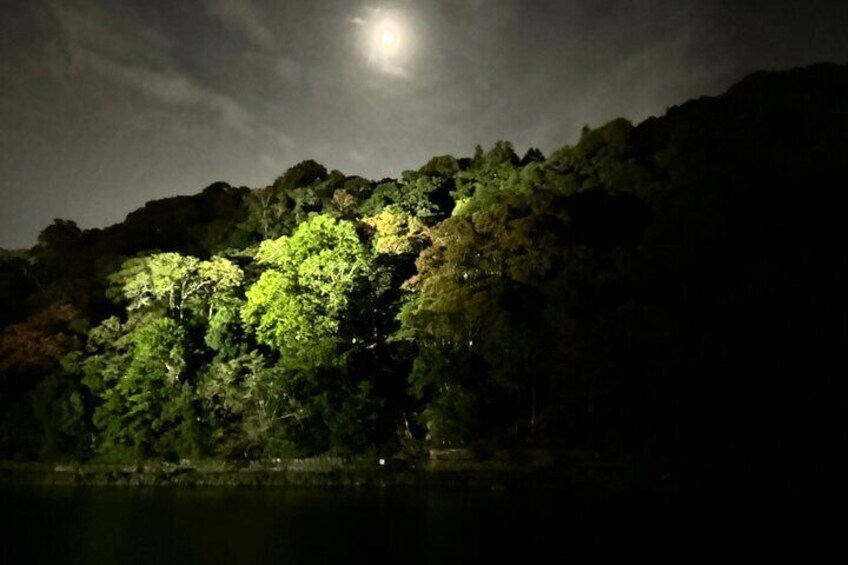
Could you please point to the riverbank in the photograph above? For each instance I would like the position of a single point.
(441, 469)
(512, 470)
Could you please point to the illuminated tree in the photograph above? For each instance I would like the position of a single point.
(269, 213)
(140, 378)
(343, 204)
(397, 233)
(301, 307)
(175, 283)
(299, 303)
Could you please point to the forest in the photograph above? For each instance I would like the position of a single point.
(671, 290)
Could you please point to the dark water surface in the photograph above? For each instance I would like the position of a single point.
(125, 526)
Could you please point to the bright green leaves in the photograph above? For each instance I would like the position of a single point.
(224, 277)
(313, 306)
(298, 304)
(140, 380)
(158, 352)
(173, 283)
(296, 326)
(154, 281)
(418, 194)
(139, 371)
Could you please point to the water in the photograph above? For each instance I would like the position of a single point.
(241, 526)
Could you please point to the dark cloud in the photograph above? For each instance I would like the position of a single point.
(243, 17)
(105, 104)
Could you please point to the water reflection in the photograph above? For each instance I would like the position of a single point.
(242, 526)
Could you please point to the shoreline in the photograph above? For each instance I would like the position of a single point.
(505, 471)
(331, 472)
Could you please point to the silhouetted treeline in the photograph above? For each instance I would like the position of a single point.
(674, 290)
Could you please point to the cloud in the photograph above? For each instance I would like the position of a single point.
(461, 7)
(670, 43)
(271, 164)
(289, 69)
(357, 157)
(136, 57)
(388, 66)
(88, 27)
(171, 88)
(243, 17)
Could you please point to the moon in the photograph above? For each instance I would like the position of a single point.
(388, 42)
(388, 38)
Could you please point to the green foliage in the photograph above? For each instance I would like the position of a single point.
(298, 304)
(477, 301)
(247, 408)
(613, 296)
(417, 194)
(487, 168)
(397, 233)
(224, 334)
(174, 283)
(445, 166)
(302, 307)
(269, 213)
(145, 397)
(163, 281)
(603, 159)
(305, 173)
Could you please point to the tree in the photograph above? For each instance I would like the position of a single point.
(251, 407)
(343, 204)
(37, 345)
(445, 166)
(175, 283)
(301, 307)
(58, 249)
(418, 194)
(477, 305)
(397, 232)
(141, 381)
(42, 412)
(490, 168)
(269, 213)
(299, 303)
(303, 174)
(17, 283)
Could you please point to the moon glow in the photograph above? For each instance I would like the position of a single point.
(389, 43)
(388, 38)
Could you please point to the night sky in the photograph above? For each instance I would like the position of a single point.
(106, 104)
